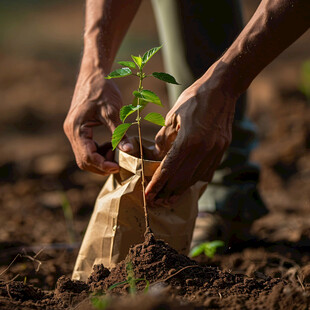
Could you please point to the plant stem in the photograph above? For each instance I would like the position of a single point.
(142, 158)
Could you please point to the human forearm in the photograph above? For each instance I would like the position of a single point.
(106, 23)
(97, 101)
(275, 25)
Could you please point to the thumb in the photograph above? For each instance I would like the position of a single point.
(164, 140)
(125, 145)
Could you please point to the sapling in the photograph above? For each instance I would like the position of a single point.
(141, 98)
(131, 280)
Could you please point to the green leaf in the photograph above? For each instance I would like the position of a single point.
(100, 302)
(116, 285)
(165, 77)
(147, 284)
(142, 103)
(137, 60)
(211, 247)
(128, 64)
(127, 110)
(118, 73)
(148, 96)
(149, 54)
(155, 118)
(197, 250)
(119, 133)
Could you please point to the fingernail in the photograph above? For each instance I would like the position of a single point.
(126, 147)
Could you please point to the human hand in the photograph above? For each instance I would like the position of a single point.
(96, 101)
(197, 133)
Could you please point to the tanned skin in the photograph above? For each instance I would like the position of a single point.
(198, 128)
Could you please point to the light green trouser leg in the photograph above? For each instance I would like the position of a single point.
(168, 24)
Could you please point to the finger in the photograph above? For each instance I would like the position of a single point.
(110, 116)
(164, 139)
(170, 163)
(87, 156)
(125, 145)
(182, 178)
(93, 161)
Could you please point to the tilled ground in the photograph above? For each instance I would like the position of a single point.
(46, 202)
(173, 278)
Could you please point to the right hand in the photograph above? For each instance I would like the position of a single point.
(96, 101)
(198, 130)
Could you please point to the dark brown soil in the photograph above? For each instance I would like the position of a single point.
(37, 170)
(176, 277)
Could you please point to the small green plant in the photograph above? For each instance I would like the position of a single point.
(131, 280)
(207, 248)
(141, 98)
(100, 301)
(68, 214)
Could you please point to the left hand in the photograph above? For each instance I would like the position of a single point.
(197, 133)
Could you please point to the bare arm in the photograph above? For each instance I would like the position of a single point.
(275, 25)
(97, 101)
(198, 129)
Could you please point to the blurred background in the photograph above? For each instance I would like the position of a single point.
(46, 201)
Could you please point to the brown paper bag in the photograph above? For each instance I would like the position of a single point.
(118, 220)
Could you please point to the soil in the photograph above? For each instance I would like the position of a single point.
(39, 239)
(173, 277)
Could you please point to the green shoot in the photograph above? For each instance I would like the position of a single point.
(141, 98)
(100, 301)
(131, 280)
(68, 214)
(207, 248)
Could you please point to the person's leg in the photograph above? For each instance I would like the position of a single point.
(198, 32)
(169, 26)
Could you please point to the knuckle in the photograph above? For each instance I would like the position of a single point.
(66, 126)
(84, 162)
(197, 139)
(80, 164)
(159, 140)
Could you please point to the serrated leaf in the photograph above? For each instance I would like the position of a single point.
(137, 60)
(119, 133)
(118, 73)
(149, 54)
(128, 64)
(148, 96)
(165, 77)
(155, 118)
(127, 110)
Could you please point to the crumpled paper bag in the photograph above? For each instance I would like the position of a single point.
(118, 220)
